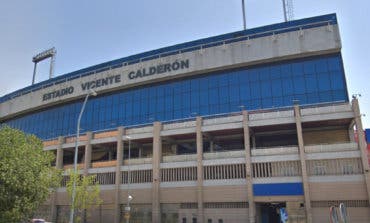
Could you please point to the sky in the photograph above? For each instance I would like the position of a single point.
(88, 32)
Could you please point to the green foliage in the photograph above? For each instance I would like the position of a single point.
(26, 175)
(87, 193)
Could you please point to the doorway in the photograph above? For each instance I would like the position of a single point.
(269, 212)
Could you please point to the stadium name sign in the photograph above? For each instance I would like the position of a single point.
(159, 69)
(84, 86)
(106, 81)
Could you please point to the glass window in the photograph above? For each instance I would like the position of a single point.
(321, 66)
(313, 80)
(275, 72)
(309, 67)
(336, 81)
(324, 81)
(334, 64)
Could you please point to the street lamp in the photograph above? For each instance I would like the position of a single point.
(129, 197)
(92, 93)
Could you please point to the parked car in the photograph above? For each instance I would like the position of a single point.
(39, 220)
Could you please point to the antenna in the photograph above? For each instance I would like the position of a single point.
(288, 10)
(244, 22)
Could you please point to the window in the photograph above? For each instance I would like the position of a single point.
(320, 170)
(288, 171)
(183, 220)
(312, 80)
(194, 220)
(220, 221)
(347, 169)
(209, 220)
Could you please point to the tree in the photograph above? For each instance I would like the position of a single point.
(26, 175)
(87, 193)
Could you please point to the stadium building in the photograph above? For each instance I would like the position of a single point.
(229, 128)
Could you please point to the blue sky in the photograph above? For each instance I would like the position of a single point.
(86, 32)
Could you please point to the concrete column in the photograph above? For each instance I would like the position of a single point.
(351, 131)
(174, 148)
(306, 189)
(58, 165)
(211, 146)
(117, 200)
(362, 144)
(253, 141)
(248, 169)
(110, 155)
(157, 157)
(199, 138)
(141, 151)
(88, 149)
(59, 158)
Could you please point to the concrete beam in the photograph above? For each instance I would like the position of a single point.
(199, 138)
(117, 202)
(362, 144)
(157, 156)
(302, 156)
(248, 169)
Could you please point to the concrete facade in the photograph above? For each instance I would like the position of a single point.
(229, 196)
(241, 166)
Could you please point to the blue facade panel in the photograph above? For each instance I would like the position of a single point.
(312, 80)
(278, 189)
(367, 135)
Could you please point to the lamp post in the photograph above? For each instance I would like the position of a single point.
(93, 93)
(129, 197)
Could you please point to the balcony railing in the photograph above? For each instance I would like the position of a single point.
(337, 147)
(281, 150)
(224, 155)
(180, 158)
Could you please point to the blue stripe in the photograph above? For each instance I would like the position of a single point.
(367, 135)
(277, 189)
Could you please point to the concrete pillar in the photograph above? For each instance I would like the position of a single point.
(110, 155)
(248, 169)
(174, 148)
(306, 189)
(362, 144)
(60, 154)
(157, 157)
(88, 148)
(58, 165)
(253, 141)
(117, 202)
(351, 131)
(141, 151)
(199, 138)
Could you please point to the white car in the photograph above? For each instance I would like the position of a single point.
(39, 220)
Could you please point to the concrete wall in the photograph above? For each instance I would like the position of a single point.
(355, 214)
(225, 193)
(330, 191)
(325, 136)
(315, 41)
